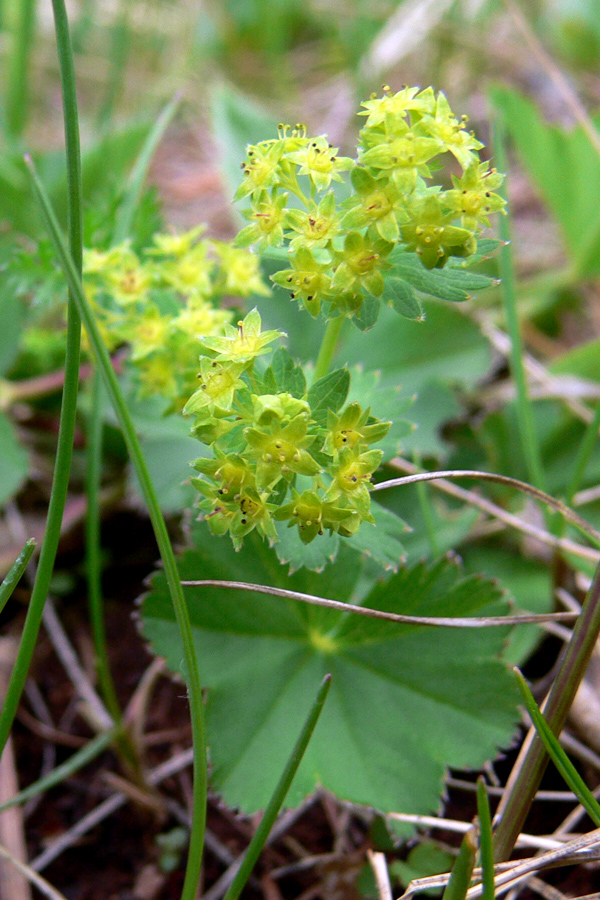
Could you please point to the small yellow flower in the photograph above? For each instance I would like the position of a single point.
(239, 271)
(149, 333)
(130, 282)
(199, 318)
(190, 273)
(176, 244)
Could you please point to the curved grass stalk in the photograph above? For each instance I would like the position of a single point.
(502, 515)
(591, 533)
(102, 360)
(66, 429)
(432, 621)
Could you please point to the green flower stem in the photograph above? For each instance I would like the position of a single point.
(275, 803)
(527, 430)
(328, 345)
(64, 449)
(102, 360)
(533, 758)
(16, 572)
(75, 762)
(17, 93)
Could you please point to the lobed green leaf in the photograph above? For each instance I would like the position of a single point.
(405, 701)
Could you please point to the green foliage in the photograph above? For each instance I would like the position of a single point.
(529, 584)
(404, 702)
(15, 465)
(566, 169)
(575, 28)
(447, 347)
(425, 859)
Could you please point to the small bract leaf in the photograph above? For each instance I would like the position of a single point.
(329, 393)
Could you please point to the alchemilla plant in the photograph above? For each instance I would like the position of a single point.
(281, 451)
(286, 446)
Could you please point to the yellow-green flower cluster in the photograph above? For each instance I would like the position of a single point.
(163, 302)
(338, 250)
(275, 457)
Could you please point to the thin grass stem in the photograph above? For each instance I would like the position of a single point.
(66, 430)
(590, 532)
(527, 429)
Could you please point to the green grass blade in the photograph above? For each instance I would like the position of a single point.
(486, 848)
(531, 763)
(66, 430)
(529, 437)
(16, 573)
(558, 755)
(120, 46)
(140, 170)
(65, 770)
(103, 362)
(460, 877)
(584, 453)
(275, 803)
(17, 91)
